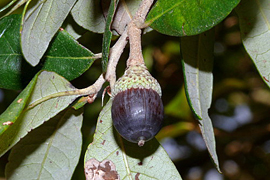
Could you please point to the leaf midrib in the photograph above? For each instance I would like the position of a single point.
(263, 14)
(161, 14)
(49, 145)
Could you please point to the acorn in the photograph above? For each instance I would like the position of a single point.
(137, 108)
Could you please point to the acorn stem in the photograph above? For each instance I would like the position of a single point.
(139, 18)
(135, 55)
(134, 33)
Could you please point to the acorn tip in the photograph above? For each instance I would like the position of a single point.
(141, 141)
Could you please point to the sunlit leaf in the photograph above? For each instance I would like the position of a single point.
(197, 62)
(51, 151)
(148, 162)
(255, 32)
(188, 17)
(40, 24)
(47, 100)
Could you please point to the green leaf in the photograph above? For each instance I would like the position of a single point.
(80, 102)
(51, 151)
(197, 52)
(255, 32)
(15, 73)
(15, 109)
(89, 15)
(148, 162)
(188, 17)
(65, 56)
(107, 36)
(50, 96)
(40, 25)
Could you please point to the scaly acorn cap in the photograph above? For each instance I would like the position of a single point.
(136, 76)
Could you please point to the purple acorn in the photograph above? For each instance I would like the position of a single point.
(137, 109)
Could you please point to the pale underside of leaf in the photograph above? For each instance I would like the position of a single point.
(255, 32)
(51, 151)
(48, 83)
(197, 62)
(89, 15)
(124, 14)
(40, 24)
(148, 162)
(73, 28)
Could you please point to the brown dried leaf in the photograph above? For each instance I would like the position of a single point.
(105, 170)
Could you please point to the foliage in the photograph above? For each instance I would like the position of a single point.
(42, 126)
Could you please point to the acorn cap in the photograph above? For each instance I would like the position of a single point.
(136, 76)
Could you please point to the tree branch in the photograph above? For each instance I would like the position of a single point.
(115, 53)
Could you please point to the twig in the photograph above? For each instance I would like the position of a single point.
(93, 89)
(115, 54)
(90, 91)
